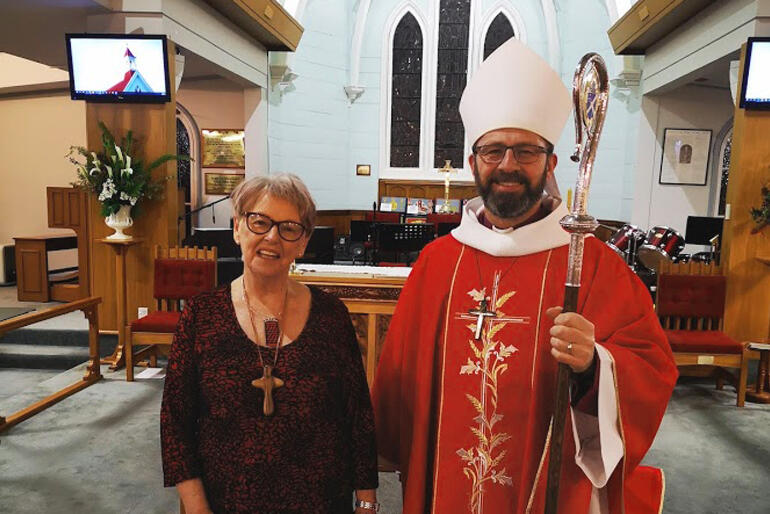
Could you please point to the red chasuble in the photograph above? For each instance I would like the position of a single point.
(467, 419)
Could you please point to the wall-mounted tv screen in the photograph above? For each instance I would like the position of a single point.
(755, 92)
(118, 68)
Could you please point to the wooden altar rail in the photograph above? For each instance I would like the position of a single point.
(90, 307)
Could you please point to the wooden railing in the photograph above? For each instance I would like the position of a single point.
(90, 307)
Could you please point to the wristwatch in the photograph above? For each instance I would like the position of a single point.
(373, 506)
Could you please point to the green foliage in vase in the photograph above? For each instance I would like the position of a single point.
(761, 215)
(114, 175)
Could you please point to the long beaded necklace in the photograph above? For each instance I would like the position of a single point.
(273, 336)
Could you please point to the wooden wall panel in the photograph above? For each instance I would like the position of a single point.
(154, 130)
(425, 189)
(747, 312)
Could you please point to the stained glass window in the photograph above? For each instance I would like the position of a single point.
(454, 19)
(498, 33)
(406, 94)
(725, 174)
(183, 167)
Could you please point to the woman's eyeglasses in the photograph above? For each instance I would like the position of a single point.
(495, 153)
(262, 224)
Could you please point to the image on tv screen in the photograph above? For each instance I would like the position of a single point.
(123, 67)
(757, 87)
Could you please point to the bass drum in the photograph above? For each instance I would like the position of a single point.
(627, 241)
(663, 243)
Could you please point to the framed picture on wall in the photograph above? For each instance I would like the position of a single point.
(685, 157)
(223, 148)
(222, 183)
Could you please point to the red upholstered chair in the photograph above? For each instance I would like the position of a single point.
(691, 309)
(180, 273)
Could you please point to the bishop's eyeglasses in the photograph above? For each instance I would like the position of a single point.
(495, 153)
(262, 224)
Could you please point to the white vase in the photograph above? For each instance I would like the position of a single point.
(120, 221)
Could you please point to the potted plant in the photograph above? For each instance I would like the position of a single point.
(119, 180)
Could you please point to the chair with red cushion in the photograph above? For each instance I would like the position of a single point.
(691, 309)
(179, 273)
(383, 217)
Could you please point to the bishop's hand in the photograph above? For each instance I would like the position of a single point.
(572, 339)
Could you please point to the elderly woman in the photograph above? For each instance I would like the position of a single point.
(266, 407)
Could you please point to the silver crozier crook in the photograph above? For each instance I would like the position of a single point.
(590, 92)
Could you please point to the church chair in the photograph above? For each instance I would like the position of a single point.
(179, 273)
(690, 304)
(444, 223)
(383, 217)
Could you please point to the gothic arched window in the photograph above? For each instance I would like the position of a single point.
(406, 94)
(451, 75)
(499, 31)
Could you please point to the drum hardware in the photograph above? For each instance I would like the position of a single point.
(626, 242)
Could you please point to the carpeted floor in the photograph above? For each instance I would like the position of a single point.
(12, 312)
(98, 451)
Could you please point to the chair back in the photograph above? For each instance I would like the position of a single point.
(691, 296)
(182, 272)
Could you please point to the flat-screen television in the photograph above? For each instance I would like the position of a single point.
(755, 90)
(118, 68)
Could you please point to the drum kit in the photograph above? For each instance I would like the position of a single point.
(642, 250)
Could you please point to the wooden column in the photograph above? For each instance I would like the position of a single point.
(747, 311)
(154, 128)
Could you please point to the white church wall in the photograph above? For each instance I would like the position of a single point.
(315, 116)
(583, 28)
(686, 107)
(308, 123)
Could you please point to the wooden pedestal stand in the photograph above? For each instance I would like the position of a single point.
(761, 391)
(120, 247)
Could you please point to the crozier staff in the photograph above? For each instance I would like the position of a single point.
(464, 389)
(266, 407)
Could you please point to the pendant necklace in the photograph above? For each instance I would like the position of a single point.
(483, 311)
(273, 336)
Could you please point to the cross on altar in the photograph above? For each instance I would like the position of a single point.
(267, 383)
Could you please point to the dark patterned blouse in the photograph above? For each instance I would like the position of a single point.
(315, 449)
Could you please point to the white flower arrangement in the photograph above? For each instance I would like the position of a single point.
(114, 176)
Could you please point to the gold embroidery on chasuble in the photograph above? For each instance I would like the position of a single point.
(488, 359)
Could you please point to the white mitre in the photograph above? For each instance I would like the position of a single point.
(515, 88)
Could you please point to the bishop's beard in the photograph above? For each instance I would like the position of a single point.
(510, 204)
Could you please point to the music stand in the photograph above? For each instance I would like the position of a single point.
(705, 230)
(404, 237)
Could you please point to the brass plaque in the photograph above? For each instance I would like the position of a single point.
(222, 183)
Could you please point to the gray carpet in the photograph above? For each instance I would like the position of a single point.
(98, 451)
(12, 312)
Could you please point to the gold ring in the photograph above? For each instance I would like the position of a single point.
(569, 347)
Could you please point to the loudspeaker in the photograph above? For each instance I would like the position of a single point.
(342, 248)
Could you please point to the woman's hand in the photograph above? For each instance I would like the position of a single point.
(193, 496)
(572, 339)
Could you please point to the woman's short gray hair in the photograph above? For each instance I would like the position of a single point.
(286, 186)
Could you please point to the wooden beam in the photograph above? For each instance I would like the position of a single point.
(747, 309)
(154, 128)
(649, 21)
(264, 20)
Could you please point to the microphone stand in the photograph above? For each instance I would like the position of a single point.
(186, 215)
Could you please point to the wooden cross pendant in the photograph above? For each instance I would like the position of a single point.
(267, 382)
(481, 313)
